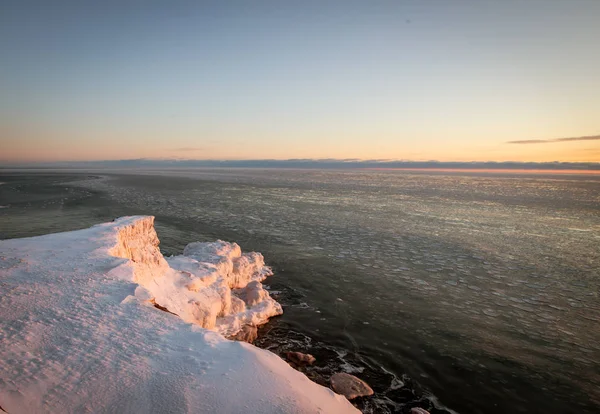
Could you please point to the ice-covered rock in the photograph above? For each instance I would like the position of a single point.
(79, 331)
(237, 268)
(418, 410)
(218, 248)
(253, 293)
(219, 253)
(200, 274)
(237, 305)
(350, 386)
(246, 268)
(136, 240)
(197, 285)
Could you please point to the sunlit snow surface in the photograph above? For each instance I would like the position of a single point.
(77, 336)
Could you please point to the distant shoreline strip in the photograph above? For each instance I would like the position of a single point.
(492, 170)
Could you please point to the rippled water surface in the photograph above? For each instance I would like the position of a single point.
(476, 293)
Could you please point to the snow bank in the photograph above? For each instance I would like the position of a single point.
(79, 331)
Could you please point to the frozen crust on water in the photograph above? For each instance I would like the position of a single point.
(79, 331)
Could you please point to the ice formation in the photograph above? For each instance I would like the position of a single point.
(79, 331)
(213, 285)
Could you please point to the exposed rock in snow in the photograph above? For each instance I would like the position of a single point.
(350, 386)
(248, 333)
(300, 358)
(79, 331)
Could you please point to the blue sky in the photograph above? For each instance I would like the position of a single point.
(416, 80)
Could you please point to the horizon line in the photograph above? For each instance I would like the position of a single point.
(306, 163)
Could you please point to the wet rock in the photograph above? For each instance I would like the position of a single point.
(248, 333)
(350, 386)
(300, 359)
(417, 410)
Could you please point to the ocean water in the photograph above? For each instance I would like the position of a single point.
(456, 292)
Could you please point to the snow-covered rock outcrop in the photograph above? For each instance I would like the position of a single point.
(79, 331)
(198, 285)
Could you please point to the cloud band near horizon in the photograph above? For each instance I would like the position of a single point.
(546, 141)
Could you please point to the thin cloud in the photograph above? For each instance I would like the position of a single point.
(590, 138)
(546, 141)
(530, 141)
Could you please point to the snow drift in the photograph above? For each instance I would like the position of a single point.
(79, 331)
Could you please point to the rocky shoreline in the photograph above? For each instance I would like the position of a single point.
(390, 393)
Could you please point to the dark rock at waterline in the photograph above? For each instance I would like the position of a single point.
(350, 386)
(392, 394)
(299, 358)
(248, 333)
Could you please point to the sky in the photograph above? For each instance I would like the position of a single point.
(460, 80)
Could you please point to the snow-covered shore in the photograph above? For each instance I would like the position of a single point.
(79, 330)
